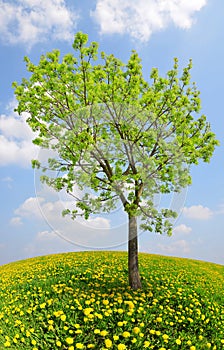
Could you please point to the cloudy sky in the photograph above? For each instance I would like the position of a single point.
(30, 216)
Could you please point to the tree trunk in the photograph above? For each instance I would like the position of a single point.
(133, 273)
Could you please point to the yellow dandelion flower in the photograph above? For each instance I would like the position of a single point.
(136, 330)
(103, 333)
(42, 306)
(146, 344)
(7, 344)
(121, 347)
(96, 331)
(58, 343)
(63, 317)
(69, 340)
(79, 346)
(87, 311)
(165, 336)
(108, 343)
(178, 341)
(115, 337)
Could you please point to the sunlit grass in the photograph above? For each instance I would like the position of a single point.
(82, 301)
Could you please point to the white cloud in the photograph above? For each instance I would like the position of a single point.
(46, 235)
(16, 221)
(16, 136)
(30, 208)
(141, 18)
(197, 212)
(182, 228)
(177, 247)
(93, 232)
(31, 21)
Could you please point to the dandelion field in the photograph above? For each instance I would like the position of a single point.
(82, 301)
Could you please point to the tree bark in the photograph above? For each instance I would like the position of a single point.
(133, 272)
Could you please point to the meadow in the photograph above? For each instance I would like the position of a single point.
(82, 300)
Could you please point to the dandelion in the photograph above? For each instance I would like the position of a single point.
(165, 336)
(79, 346)
(146, 344)
(178, 341)
(121, 347)
(126, 334)
(136, 330)
(108, 343)
(7, 344)
(120, 311)
(115, 337)
(96, 331)
(69, 340)
(103, 333)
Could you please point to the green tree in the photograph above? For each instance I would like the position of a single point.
(115, 133)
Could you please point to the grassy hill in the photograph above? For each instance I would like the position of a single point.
(82, 301)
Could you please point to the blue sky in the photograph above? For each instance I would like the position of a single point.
(159, 30)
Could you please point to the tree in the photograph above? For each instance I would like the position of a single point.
(115, 133)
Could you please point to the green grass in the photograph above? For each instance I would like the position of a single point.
(82, 301)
